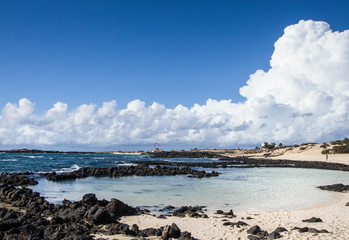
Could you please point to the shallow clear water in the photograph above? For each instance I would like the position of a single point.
(252, 189)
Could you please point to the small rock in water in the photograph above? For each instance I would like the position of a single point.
(169, 207)
(335, 187)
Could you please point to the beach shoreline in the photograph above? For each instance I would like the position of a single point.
(333, 213)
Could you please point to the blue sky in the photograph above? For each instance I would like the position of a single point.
(171, 52)
(168, 52)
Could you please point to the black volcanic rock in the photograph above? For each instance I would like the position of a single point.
(254, 230)
(171, 231)
(235, 224)
(335, 187)
(274, 235)
(17, 180)
(243, 162)
(139, 170)
(312, 220)
(102, 216)
(280, 229)
(118, 208)
(152, 232)
(189, 211)
(70, 220)
(304, 229)
(252, 237)
(89, 199)
(310, 230)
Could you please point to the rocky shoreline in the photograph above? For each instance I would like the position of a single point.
(35, 218)
(38, 219)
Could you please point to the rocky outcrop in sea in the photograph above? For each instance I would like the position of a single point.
(123, 171)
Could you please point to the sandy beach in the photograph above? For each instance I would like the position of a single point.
(309, 152)
(334, 214)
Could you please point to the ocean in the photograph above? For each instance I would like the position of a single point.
(239, 189)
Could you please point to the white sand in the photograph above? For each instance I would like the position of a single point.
(335, 216)
(313, 153)
(310, 153)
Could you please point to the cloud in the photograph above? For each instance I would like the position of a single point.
(304, 96)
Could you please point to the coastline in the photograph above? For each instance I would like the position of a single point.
(333, 213)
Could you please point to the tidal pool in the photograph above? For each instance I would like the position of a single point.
(249, 189)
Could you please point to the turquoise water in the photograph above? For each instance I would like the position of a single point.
(250, 189)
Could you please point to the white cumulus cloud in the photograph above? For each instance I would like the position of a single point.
(304, 96)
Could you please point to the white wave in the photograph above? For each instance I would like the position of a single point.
(126, 164)
(8, 160)
(74, 167)
(32, 157)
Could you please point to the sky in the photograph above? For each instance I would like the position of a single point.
(125, 75)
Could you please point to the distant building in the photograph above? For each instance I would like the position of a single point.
(157, 150)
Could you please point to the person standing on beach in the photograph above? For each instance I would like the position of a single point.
(326, 156)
